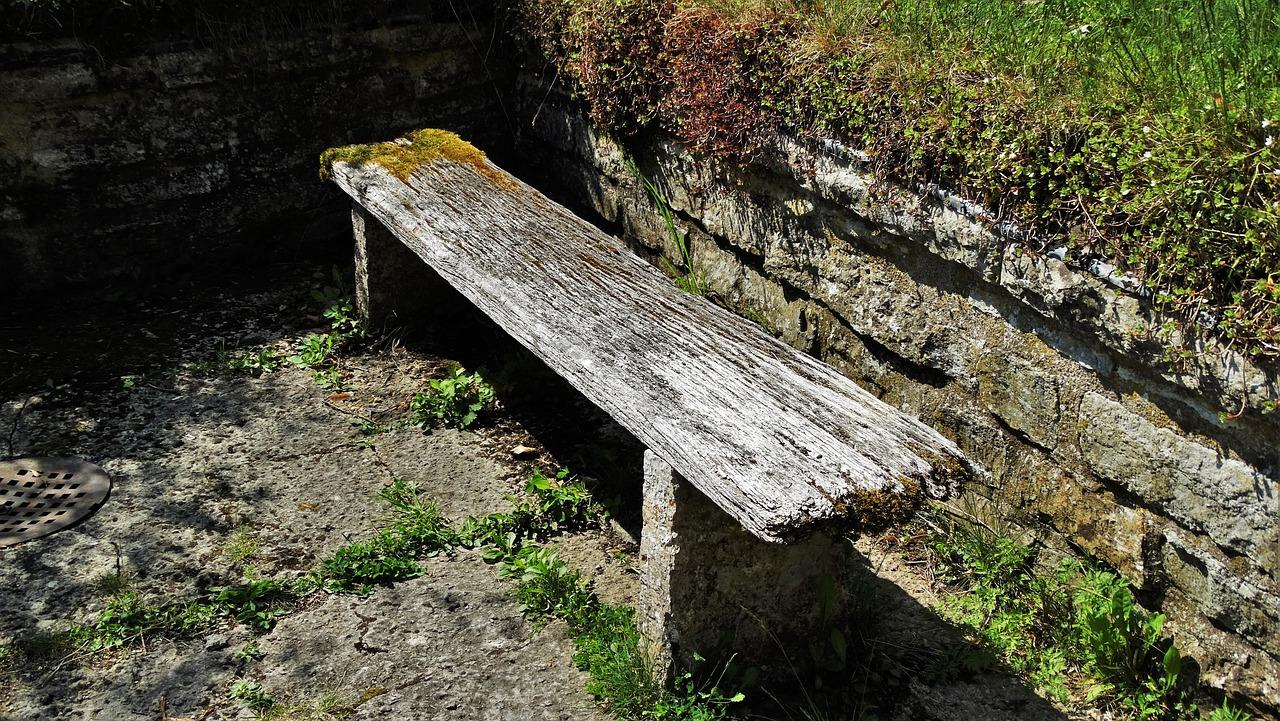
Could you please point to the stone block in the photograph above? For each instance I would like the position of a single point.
(1202, 489)
(709, 587)
(394, 287)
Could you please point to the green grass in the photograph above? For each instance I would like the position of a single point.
(1139, 134)
(243, 545)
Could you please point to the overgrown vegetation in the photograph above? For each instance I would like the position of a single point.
(1075, 630)
(1139, 134)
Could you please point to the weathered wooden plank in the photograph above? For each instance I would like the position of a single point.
(780, 441)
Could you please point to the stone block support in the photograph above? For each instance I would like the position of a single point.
(708, 586)
(394, 287)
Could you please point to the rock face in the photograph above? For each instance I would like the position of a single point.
(1042, 372)
(120, 169)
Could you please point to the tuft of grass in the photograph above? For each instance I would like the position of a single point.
(115, 582)
(242, 545)
(687, 275)
(329, 706)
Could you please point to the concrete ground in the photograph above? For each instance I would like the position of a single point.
(204, 467)
(220, 476)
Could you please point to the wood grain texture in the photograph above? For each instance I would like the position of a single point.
(780, 441)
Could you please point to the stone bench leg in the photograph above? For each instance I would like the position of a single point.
(708, 586)
(394, 287)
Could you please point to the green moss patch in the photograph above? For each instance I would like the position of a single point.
(406, 155)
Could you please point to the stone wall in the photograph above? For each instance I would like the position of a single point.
(137, 168)
(1045, 374)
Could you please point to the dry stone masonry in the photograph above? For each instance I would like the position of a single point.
(1042, 372)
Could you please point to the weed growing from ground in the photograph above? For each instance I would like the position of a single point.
(1226, 713)
(242, 545)
(547, 588)
(254, 362)
(330, 379)
(314, 350)
(608, 645)
(455, 401)
(551, 505)
(249, 652)
(417, 530)
(252, 696)
(1076, 631)
(256, 604)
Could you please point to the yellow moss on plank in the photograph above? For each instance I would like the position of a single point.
(406, 155)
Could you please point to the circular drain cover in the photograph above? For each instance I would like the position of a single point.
(41, 495)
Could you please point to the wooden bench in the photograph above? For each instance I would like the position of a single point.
(759, 456)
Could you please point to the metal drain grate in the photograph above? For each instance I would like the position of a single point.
(41, 495)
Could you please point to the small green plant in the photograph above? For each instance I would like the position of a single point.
(687, 276)
(550, 506)
(359, 567)
(455, 401)
(693, 700)
(561, 502)
(315, 350)
(252, 696)
(417, 530)
(1122, 646)
(242, 545)
(1226, 713)
(330, 379)
(546, 587)
(249, 652)
(253, 362)
(256, 604)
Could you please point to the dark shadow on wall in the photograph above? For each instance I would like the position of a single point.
(183, 160)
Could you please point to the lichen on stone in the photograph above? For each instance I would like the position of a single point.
(405, 155)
